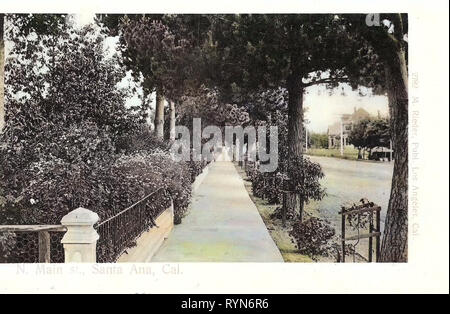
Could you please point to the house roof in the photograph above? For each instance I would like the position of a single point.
(357, 115)
(334, 129)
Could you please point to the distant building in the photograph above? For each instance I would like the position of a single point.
(348, 121)
(381, 153)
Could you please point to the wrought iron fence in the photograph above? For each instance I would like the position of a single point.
(120, 231)
(32, 244)
(42, 243)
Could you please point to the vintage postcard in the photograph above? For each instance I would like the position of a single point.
(173, 144)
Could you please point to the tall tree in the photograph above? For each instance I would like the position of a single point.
(384, 49)
(166, 50)
(255, 52)
(2, 72)
(126, 27)
(37, 23)
(377, 133)
(164, 58)
(65, 114)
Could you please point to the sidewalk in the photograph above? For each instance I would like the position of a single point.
(223, 225)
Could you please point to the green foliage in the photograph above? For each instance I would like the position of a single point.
(313, 237)
(207, 105)
(41, 24)
(318, 140)
(304, 176)
(7, 244)
(57, 81)
(143, 173)
(70, 141)
(357, 136)
(142, 139)
(300, 176)
(260, 51)
(268, 186)
(377, 133)
(370, 133)
(151, 49)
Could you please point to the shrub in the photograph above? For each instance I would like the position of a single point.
(44, 178)
(267, 186)
(72, 142)
(57, 187)
(312, 237)
(195, 168)
(304, 178)
(278, 214)
(66, 79)
(7, 244)
(152, 171)
(303, 175)
(141, 140)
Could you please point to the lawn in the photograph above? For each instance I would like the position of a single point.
(279, 234)
(349, 152)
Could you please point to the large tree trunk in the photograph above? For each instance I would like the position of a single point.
(295, 128)
(2, 74)
(395, 240)
(159, 115)
(172, 121)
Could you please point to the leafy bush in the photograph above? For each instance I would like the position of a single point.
(56, 168)
(300, 176)
(304, 178)
(148, 172)
(278, 214)
(267, 185)
(7, 244)
(195, 168)
(56, 187)
(65, 78)
(140, 140)
(312, 237)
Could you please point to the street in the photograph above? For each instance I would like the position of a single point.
(347, 181)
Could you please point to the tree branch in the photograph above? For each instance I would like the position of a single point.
(327, 81)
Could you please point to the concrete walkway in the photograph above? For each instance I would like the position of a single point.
(223, 225)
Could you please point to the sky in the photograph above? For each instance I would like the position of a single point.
(324, 109)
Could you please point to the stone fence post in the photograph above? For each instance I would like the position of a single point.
(80, 240)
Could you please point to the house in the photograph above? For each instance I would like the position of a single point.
(348, 120)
